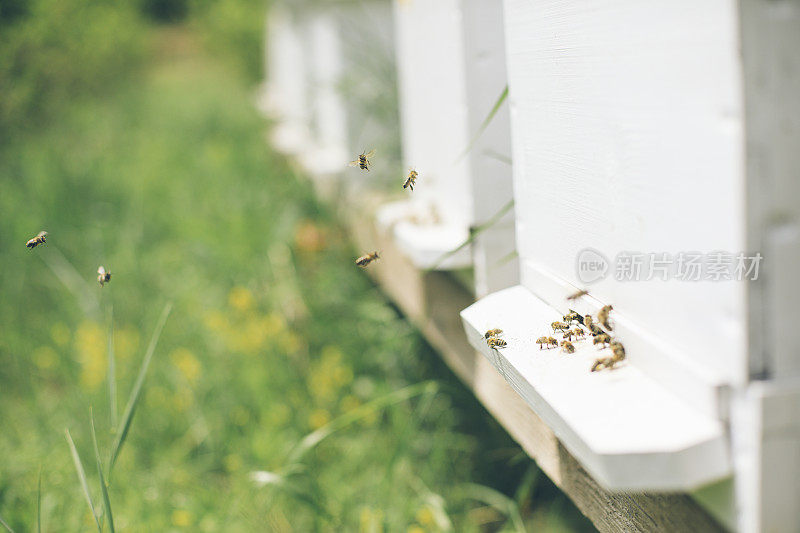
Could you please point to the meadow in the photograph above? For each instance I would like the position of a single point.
(284, 392)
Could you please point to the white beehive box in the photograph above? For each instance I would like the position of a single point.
(451, 71)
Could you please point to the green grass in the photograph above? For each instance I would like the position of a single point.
(279, 355)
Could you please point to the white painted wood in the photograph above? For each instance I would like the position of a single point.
(288, 85)
(770, 40)
(496, 266)
(329, 147)
(627, 431)
(627, 135)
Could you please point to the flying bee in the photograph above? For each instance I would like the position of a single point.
(551, 342)
(567, 346)
(602, 316)
(492, 333)
(363, 160)
(103, 276)
(602, 339)
(366, 259)
(558, 325)
(411, 180)
(39, 239)
(576, 295)
(578, 332)
(618, 349)
(495, 342)
(604, 362)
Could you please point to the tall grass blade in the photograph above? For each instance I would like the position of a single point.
(133, 400)
(103, 486)
(3, 523)
(82, 478)
(473, 234)
(495, 499)
(315, 437)
(39, 504)
(485, 123)
(112, 371)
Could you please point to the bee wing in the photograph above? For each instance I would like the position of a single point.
(101, 271)
(353, 163)
(41, 234)
(371, 153)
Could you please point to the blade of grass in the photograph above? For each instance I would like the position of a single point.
(39, 504)
(112, 372)
(495, 499)
(103, 487)
(82, 478)
(485, 123)
(3, 523)
(315, 437)
(473, 234)
(133, 399)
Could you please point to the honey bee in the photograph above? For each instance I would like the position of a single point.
(363, 161)
(541, 341)
(492, 333)
(618, 349)
(578, 332)
(604, 362)
(103, 276)
(366, 259)
(567, 346)
(411, 180)
(495, 342)
(602, 339)
(568, 333)
(587, 321)
(551, 342)
(558, 325)
(602, 316)
(39, 239)
(572, 315)
(576, 295)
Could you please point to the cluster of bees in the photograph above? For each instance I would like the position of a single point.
(571, 329)
(363, 162)
(103, 275)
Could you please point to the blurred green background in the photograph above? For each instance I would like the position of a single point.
(128, 132)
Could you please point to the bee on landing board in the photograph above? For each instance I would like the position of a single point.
(602, 316)
(366, 259)
(558, 325)
(604, 363)
(103, 276)
(602, 339)
(576, 295)
(363, 160)
(567, 347)
(578, 333)
(551, 342)
(411, 180)
(492, 333)
(495, 342)
(39, 239)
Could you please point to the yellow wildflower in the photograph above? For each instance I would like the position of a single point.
(181, 518)
(241, 299)
(186, 363)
